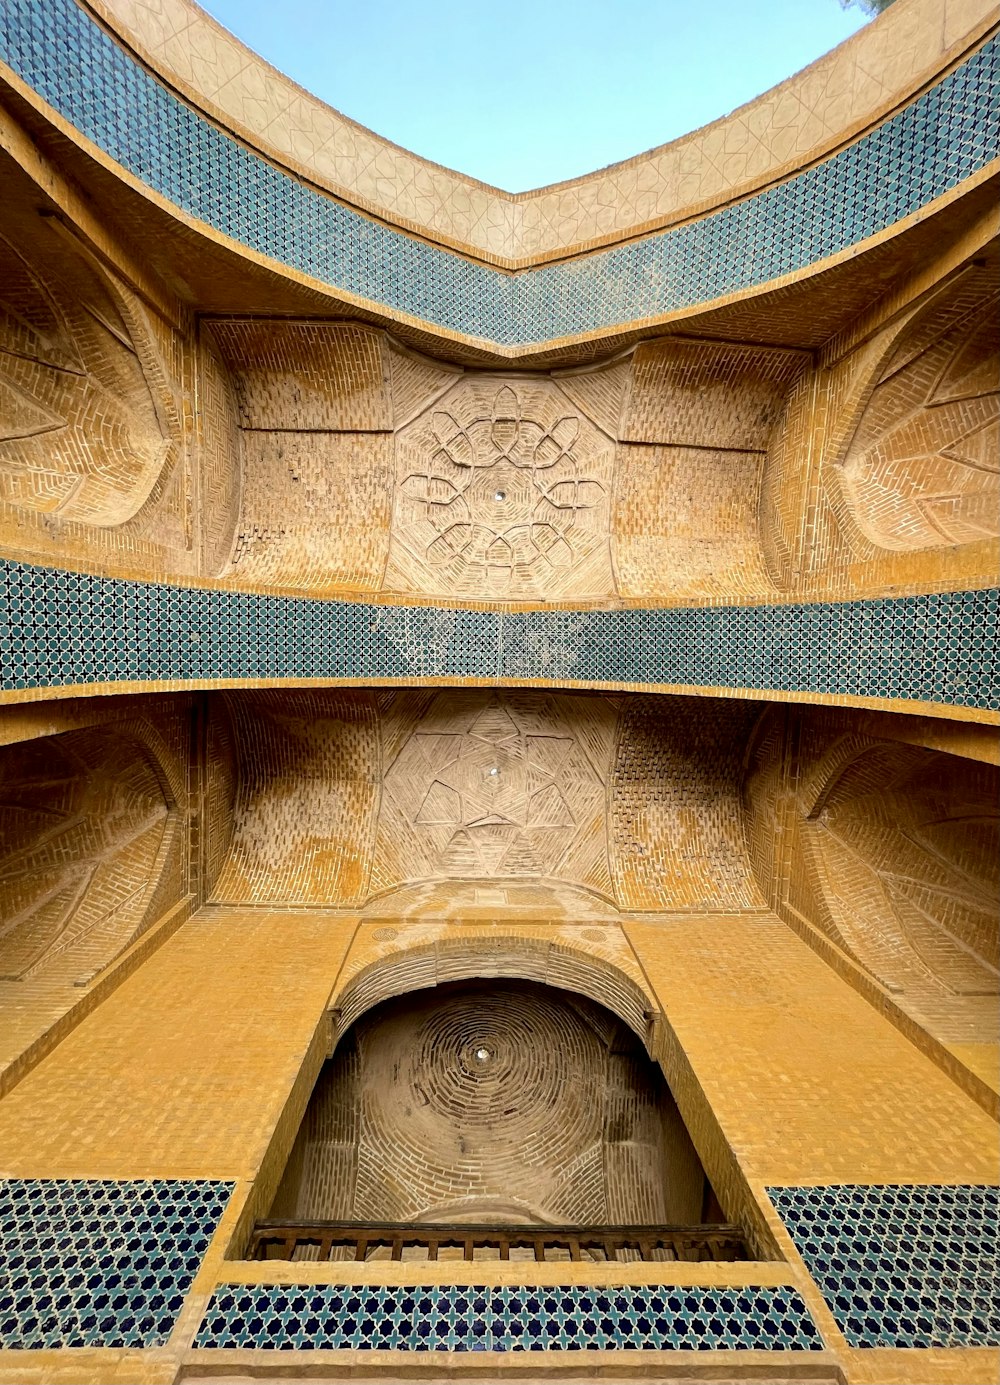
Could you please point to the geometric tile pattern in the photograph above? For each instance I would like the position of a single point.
(100, 1263)
(944, 136)
(314, 1317)
(901, 1266)
(59, 628)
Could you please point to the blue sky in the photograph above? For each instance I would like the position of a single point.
(533, 91)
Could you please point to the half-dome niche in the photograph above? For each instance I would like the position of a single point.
(492, 1103)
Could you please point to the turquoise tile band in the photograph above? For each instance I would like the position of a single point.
(901, 1265)
(61, 628)
(100, 1263)
(940, 139)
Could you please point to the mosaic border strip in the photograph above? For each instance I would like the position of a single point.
(61, 628)
(898, 1265)
(946, 135)
(332, 1317)
(100, 1263)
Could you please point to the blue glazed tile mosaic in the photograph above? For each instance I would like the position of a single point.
(943, 137)
(314, 1317)
(901, 1266)
(60, 628)
(97, 1263)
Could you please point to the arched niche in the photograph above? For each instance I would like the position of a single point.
(524, 958)
(892, 850)
(86, 419)
(920, 470)
(92, 851)
(498, 1101)
(904, 843)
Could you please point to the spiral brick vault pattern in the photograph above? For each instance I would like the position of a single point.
(484, 1102)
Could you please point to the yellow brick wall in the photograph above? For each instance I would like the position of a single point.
(184, 1071)
(200, 1065)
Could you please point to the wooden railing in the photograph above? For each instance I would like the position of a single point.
(358, 1241)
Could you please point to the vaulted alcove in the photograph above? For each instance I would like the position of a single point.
(492, 1103)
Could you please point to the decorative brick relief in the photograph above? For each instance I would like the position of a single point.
(695, 423)
(416, 381)
(882, 472)
(685, 521)
(306, 376)
(220, 452)
(905, 846)
(89, 829)
(93, 837)
(676, 821)
(494, 785)
(599, 391)
(921, 471)
(892, 851)
(784, 493)
(316, 416)
(80, 431)
(307, 796)
(502, 490)
(220, 773)
(708, 393)
(315, 514)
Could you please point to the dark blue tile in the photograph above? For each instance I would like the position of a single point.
(901, 1265)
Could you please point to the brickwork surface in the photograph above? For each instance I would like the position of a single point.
(496, 744)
